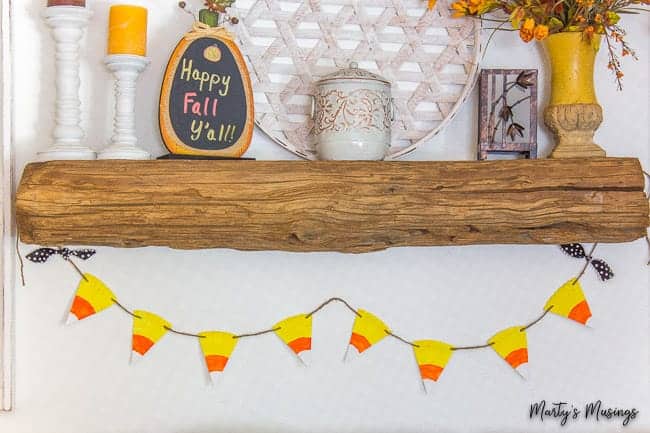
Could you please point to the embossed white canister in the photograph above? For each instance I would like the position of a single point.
(353, 111)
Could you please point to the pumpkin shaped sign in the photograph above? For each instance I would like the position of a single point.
(206, 102)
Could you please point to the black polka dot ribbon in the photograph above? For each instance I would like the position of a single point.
(42, 255)
(600, 266)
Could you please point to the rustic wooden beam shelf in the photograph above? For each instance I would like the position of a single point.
(330, 206)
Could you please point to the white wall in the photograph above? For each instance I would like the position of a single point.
(78, 379)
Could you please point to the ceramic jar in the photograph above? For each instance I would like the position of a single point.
(352, 112)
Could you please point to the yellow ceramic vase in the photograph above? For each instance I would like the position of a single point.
(573, 113)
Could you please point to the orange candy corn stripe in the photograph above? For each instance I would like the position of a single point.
(517, 358)
(81, 308)
(359, 342)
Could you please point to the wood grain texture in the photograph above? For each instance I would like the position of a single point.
(330, 206)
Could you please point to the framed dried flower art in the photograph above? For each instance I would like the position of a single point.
(508, 112)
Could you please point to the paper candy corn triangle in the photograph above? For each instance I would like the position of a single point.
(295, 332)
(217, 347)
(432, 357)
(367, 330)
(92, 297)
(148, 329)
(569, 301)
(511, 345)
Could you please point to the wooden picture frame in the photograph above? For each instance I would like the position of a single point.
(7, 226)
(513, 131)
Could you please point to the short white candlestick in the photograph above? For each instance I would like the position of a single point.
(127, 69)
(67, 24)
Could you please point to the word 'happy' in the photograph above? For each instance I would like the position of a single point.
(214, 82)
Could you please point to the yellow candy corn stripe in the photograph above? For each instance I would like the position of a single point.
(432, 357)
(217, 347)
(92, 297)
(295, 332)
(569, 301)
(367, 330)
(511, 345)
(148, 329)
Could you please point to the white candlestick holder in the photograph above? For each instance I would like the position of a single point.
(68, 24)
(124, 143)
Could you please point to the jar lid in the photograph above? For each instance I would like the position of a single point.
(353, 72)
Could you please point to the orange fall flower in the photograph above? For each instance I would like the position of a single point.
(474, 6)
(541, 32)
(526, 32)
(460, 8)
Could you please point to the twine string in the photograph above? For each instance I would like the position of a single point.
(536, 321)
(480, 346)
(403, 340)
(126, 310)
(588, 259)
(329, 301)
(186, 334)
(20, 260)
(255, 334)
(76, 268)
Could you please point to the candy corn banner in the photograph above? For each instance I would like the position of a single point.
(295, 333)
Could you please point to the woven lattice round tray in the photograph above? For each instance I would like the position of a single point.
(430, 58)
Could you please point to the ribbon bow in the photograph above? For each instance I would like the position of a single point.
(602, 268)
(41, 255)
(202, 30)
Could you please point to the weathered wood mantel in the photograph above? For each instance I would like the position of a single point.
(330, 206)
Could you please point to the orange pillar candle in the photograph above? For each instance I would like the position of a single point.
(127, 30)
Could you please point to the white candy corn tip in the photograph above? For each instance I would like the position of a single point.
(592, 323)
(214, 375)
(351, 354)
(428, 386)
(135, 357)
(71, 319)
(305, 357)
(522, 371)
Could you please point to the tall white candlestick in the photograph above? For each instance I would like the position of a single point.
(126, 69)
(67, 24)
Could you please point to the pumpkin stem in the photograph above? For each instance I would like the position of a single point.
(209, 17)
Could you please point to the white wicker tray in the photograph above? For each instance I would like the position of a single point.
(431, 59)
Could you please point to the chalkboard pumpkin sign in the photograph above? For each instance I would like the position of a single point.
(206, 102)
